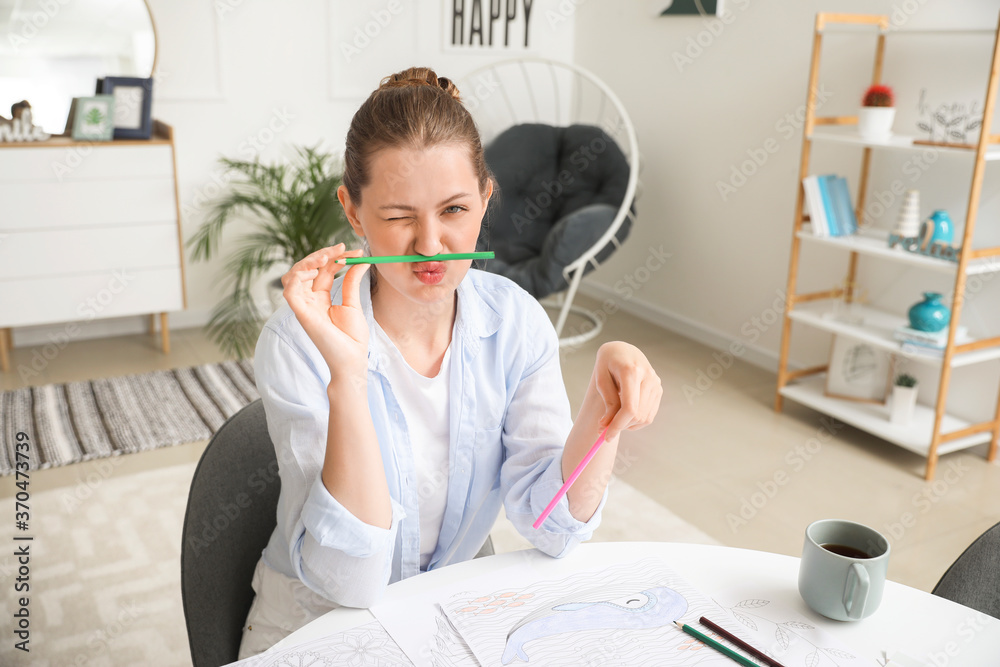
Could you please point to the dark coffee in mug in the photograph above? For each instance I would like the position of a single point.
(844, 550)
(843, 568)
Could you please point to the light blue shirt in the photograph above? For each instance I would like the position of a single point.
(509, 420)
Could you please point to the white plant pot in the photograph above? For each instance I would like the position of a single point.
(875, 123)
(903, 403)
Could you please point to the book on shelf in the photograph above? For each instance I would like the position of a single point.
(921, 349)
(814, 202)
(843, 207)
(931, 340)
(826, 199)
(829, 202)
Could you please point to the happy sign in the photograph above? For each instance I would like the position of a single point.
(489, 24)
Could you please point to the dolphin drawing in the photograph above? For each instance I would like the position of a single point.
(651, 608)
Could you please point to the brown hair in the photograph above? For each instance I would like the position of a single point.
(414, 108)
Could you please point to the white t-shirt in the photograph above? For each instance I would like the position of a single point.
(424, 402)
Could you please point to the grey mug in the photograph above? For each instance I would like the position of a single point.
(841, 583)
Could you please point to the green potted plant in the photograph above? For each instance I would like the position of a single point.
(877, 113)
(292, 209)
(904, 399)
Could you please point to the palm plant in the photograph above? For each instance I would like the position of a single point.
(294, 211)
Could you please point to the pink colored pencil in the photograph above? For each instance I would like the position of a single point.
(572, 478)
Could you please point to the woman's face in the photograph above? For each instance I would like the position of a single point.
(420, 202)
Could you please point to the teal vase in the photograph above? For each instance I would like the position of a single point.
(929, 314)
(943, 229)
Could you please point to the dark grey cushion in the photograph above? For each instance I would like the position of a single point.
(974, 578)
(559, 191)
(231, 513)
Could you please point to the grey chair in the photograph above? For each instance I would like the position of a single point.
(974, 578)
(231, 513)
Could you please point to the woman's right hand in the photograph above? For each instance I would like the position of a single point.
(340, 332)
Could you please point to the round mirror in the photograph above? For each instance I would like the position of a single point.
(51, 52)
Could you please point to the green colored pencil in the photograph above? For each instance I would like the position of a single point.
(390, 259)
(705, 639)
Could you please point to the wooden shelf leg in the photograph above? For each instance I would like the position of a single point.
(991, 454)
(151, 329)
(165, 333)
(6, 343)
(932, 458)
(985, 138)
(793, 264)
(945, 381)
(975, 192)
(786, 339)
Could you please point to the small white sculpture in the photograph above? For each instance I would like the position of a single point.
(908, 222)
(20, 127)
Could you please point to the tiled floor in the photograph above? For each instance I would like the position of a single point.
(724, 461)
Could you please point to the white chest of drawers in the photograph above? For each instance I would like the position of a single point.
(89, 230)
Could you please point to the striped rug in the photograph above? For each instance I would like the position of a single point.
(77, 421)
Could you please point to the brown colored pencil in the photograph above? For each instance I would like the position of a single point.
(752, 650)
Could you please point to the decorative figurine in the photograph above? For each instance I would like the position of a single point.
(20, 127)
(929, 314)
(908, 222)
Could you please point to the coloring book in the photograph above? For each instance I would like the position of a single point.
(620, 615)
(367, 645)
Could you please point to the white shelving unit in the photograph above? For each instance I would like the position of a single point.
(876, 244)
(876, 327)
(897, 142)
(933, 431)
(874, 418)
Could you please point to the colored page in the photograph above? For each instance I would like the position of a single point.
(622, 614)
(367, 644)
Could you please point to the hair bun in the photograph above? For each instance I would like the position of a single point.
(420, 76)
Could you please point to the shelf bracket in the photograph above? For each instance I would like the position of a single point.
(835, 293)
(978, 345)
(836, 120)
(985, 252)
(795, 375)
(982, 427)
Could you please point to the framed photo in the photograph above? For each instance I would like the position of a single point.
(858, 371)
(91, 118)
(133, 105)
(688, 7)
(479, 28)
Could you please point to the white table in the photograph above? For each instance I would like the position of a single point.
(924, 626)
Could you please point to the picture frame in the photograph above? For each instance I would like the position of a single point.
(858, 371)
(91, 118)
(133, 105)
(686, 7)
(467, 30)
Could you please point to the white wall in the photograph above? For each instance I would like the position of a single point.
(707, 95)
(240, 79)
(311, 61)
(234, 73)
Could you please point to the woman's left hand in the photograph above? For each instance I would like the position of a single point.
(629, 387)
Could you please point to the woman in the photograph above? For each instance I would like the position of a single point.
(427, 394)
